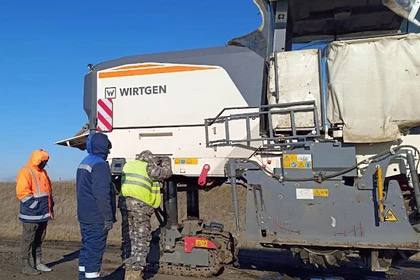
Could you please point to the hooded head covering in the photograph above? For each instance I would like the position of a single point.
(37, 157)
(98, 144)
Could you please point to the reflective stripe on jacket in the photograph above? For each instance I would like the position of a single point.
(95, 192)
(33, 189)
(137, 184)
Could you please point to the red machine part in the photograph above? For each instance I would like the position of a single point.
(191, 242)
(202, 180)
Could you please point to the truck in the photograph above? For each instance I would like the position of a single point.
(314, 115)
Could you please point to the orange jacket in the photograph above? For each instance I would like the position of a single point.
(33, 181)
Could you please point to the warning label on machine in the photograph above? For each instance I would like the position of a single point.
(304, 194)
(390, 216)
(297, 161)
(321, 192)
(311, 193)
(188, 161)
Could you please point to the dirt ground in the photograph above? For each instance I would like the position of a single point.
(264, 265)
(63, 259)
(62, 244)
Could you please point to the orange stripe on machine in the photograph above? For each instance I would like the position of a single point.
(152, 71)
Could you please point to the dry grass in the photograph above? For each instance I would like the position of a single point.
(9, 226)
(215, 205)
(65, 226)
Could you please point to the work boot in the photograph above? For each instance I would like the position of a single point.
(40, 266)
(27, 269)
(133, 275)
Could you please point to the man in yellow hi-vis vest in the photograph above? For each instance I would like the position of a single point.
(140, 194)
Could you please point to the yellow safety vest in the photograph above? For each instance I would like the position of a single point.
(135, 183)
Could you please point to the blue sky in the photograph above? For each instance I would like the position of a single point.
(46, 45)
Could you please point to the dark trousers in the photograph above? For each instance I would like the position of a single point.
(93, 247)
(32, 236)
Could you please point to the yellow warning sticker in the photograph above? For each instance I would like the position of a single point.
(321, 192)
(390, 216)
(202, 243)
(311, 193)
(188, 161)
(298, 161)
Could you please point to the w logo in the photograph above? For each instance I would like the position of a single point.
(111, 92)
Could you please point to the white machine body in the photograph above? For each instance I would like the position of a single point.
(162, 107)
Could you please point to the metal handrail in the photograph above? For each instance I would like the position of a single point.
(284, 105)
(272, 140)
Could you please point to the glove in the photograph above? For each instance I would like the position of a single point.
(108, 225)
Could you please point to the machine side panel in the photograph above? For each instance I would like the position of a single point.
(243, 66)
(166, 94)
(185, 145)
(327, 214)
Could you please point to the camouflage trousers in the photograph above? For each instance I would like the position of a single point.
(136, 232)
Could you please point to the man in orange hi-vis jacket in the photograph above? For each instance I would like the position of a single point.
(33, 189)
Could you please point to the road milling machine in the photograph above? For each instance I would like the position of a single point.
(315, 114)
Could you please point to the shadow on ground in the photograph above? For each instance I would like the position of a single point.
(118, 274)
(66, 258)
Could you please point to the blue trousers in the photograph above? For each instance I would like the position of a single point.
(93, 247)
